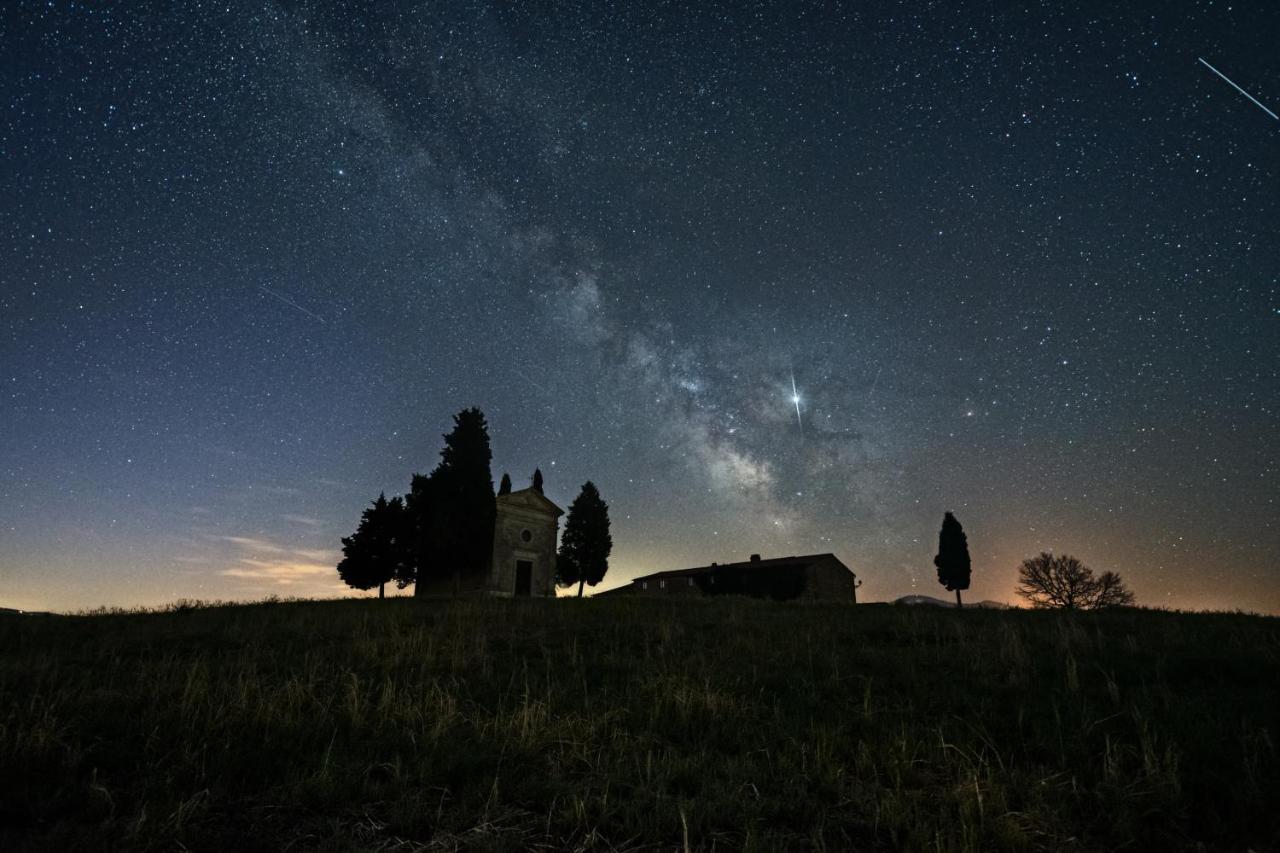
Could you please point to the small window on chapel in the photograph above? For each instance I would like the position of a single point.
(526, 535)
(644, 584)
(662, 584)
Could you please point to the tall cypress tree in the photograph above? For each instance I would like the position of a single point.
(459, 532)
(586, 543)
(379, 551)
(425, 563)
(952, 560)
(504, 488)
(537, 480)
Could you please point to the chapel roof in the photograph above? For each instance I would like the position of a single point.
(529, 498)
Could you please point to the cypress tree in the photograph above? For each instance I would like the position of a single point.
(460, 528)
(504, 488)
(537, 480)
(952, 560)
(585, 546)
(425, 563)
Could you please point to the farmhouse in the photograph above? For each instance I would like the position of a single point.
(812, 577)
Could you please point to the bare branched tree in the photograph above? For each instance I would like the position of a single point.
(1062, 581)
(1112, 592)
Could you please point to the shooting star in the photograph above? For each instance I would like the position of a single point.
(529, 379)
(795, 398)
(874, 383)
(287, 301)
(1238, 89)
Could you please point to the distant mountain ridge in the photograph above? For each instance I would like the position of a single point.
(930, 601)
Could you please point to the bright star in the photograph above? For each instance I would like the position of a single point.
(795, 398)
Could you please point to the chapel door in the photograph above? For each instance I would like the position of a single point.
(524, 577)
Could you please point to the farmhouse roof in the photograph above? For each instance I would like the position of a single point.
(801, 561)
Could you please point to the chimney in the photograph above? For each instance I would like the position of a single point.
(755, 558)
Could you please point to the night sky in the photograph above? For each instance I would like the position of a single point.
(1021, 261)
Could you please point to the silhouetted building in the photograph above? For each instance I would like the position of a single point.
(524, 550)
(524, 544)
(813, 577)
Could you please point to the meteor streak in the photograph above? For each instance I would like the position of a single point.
(1238, 89)
(287, 301)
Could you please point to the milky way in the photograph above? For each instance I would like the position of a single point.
(1021, 265)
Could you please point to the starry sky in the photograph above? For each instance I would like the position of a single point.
(1019, 259)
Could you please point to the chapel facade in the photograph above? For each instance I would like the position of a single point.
(524, 545)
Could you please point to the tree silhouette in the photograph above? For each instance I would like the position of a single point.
(537, 480)
(454, 506)
(952, 560)
(584, 548)
(567, 571)
(1062, 581)
(464, 485)
(504, 488)
(379, 551)
(1112, 592)
(425, 561)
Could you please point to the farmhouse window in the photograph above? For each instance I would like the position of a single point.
(662, 584)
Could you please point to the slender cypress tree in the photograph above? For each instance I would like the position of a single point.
(537, 480)
(460, 530)
(379, 551)
(952, 560)
(425, 563)
(504, 488)
(586, 543)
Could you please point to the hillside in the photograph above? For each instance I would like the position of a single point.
(635, 725)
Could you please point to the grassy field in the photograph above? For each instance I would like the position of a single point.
(638, 725)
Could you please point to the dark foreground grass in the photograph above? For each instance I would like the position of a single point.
(598, 725)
